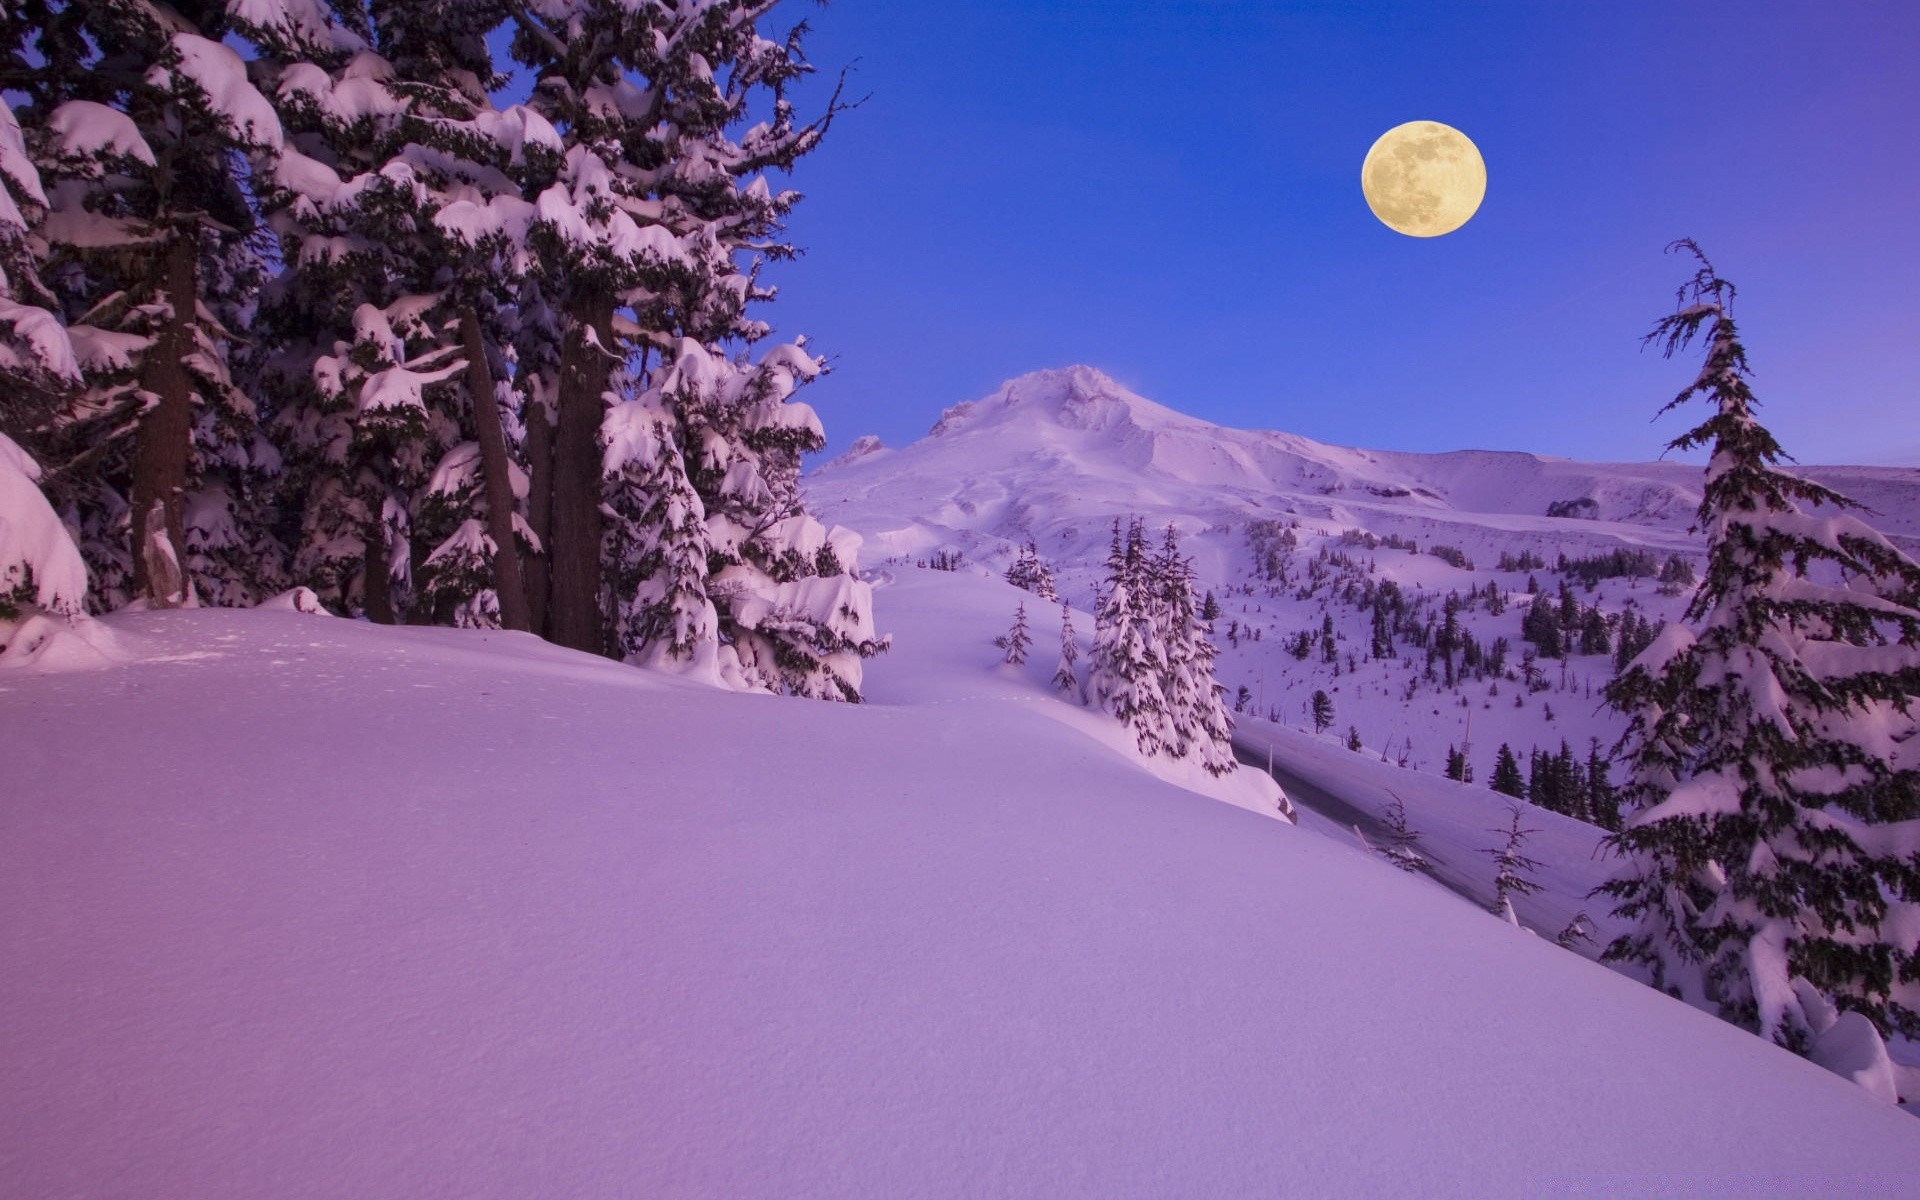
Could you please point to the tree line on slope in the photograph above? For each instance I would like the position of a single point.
(329, 315)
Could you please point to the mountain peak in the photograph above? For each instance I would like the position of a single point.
(1076, 396)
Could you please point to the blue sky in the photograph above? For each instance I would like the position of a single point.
(1170, 191)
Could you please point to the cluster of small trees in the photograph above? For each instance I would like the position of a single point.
(1557, 630)
(324, 313)
(1030, 573)
(1152, 659)
(1772, 870)
(1560, 782)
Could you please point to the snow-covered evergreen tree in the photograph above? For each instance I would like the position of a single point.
(1065, 678)
(1031, 574)
(1514, 872)
(1017, 640)
(1402, 847)
(1771, 772)
(400, 225)
(37, 365)
(40, 568)
(661, 215)
(1128, 663)
(1197, 715)
(140, 118)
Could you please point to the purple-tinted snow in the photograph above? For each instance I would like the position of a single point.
(298, 907)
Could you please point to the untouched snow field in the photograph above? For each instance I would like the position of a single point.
(298, 907)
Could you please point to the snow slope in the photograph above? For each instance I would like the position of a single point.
(299, 907)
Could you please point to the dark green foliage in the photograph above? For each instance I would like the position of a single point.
(1506, 774)
(1322, 712)
(1759, 749)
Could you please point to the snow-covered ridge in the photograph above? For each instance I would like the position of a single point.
(1050, 449)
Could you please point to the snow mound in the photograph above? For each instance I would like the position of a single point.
(46, 643)
(299, 599)
(352, 910)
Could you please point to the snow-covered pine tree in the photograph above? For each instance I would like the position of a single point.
(37, 365)
(661, 215)
(1198, 721)
(1017, 640)
(1128, 661)
(1402, 847)
(400, 224)
(1029, 573)
(1670, 875)
(140, 119)
(651, 238)
(40, 568)
(1065, 678)
(1514, 872)
(1770, 782)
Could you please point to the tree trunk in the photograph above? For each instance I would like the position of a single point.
(575, 619)
(377, 585)
(493, 467)
(539, 509)
(163, 443)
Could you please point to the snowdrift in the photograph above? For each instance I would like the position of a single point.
(298, 908)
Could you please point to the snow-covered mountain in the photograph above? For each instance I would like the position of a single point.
(1054, 456)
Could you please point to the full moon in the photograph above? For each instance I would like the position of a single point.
(1424, 179)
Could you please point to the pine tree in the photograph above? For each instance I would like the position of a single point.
(1382, 638)
(1196, 713)
(40, 568)
(37, 363)
(401, 229)
(1125, 676)
(1506, 774)
(1353, 739)
(1031, 574)
(1513, 871)
(1402, 848)
(1541, 626)
(1017, 640)
(1764, 775)
(143, 120)
(1593, 634)
(1322, 712)
(660, 212)
(1065, 678)
(1602, 800)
